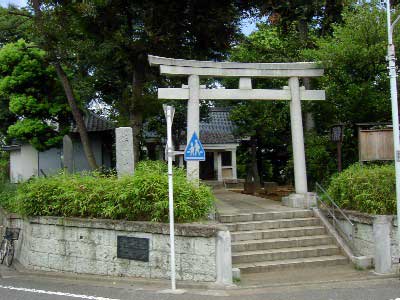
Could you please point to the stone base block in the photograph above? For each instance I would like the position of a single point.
(235, 274)
(307, 200)
(362, 262)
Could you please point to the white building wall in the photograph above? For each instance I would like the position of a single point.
(15, 166)
(23, 163)
(29, 161)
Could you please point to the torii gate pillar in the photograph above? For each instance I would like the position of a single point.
(299, 159)
(193, 120)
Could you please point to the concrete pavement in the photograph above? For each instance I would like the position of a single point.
(299, 284)
(229, 202)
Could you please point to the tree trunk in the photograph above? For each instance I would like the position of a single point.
(137, 105)
(254, 166)
(67, 89)
(80, 123)
(309, 123)
(136, 122)
(259, 161)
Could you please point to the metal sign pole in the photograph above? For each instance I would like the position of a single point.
(169, 113)
(395, 114)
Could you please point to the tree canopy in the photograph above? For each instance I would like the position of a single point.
(30, 89)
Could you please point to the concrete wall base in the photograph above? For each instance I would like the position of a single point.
(307, 200)
(89, 246)
(236, 274)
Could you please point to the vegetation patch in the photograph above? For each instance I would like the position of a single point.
(141, 197)
(365, 188)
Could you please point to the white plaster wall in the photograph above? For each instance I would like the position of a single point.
(15, 166)
(23, 163)
(29, 161)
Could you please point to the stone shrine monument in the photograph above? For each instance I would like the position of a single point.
(193, 92)
(124, 151)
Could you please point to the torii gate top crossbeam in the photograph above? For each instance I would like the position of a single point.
(182, 67)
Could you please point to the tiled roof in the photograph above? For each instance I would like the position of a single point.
(94, 123)
(217, 128)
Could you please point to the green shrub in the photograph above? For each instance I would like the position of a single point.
(366, 188)
(4, 167)
(8, 192)
(143, 196)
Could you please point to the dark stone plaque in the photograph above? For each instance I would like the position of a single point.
(133, 248)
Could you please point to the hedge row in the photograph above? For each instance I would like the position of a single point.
(141, 197)
(366, 188)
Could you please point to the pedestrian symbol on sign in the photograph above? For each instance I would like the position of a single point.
(194, 149)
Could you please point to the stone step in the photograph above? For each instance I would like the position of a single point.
(261, 216)
(277, 233)
(272, 224)
(258, 267)
(304, 241)
(284, 253)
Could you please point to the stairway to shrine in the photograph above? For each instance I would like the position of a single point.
(271, 240)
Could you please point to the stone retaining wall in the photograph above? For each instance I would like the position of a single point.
(90, 247)
(363, 240)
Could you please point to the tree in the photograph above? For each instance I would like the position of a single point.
(267, 123)
(14, 25)
(36, 107)
(118, 35)
(52, 34)
(355, 80)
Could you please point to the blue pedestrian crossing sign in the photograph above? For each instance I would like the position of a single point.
(194, 149)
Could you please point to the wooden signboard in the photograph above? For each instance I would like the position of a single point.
(375, 144)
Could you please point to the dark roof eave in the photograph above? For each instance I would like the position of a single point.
(10, 147)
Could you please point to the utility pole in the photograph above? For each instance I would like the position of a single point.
(395, 113)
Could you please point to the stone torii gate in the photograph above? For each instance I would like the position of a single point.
(193, 92)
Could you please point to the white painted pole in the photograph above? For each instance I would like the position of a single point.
(299, 158)
(170, 151)
(395, 113)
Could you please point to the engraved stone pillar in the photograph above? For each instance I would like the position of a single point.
(124, 151)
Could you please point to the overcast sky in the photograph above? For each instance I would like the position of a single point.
(15, 2)
(248, 25)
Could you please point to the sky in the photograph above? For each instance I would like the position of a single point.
(5, 3)
(248, 25)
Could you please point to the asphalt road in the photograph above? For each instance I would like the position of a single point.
(18, 286)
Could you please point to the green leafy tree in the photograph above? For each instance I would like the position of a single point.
(29, 87)
(53, 31)
(113, 38)
(267, 123)
(14, 25)
(355, 79)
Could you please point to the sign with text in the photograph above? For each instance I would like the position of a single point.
(133, 248)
